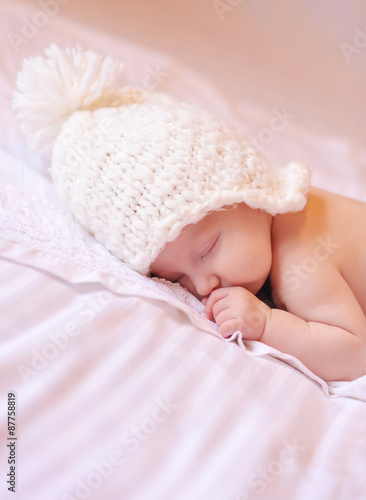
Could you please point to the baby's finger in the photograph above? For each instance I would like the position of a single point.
(227, 328)
(225, 316)
(213, 298)
(222, 310)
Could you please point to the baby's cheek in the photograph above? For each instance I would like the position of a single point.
(185, 282)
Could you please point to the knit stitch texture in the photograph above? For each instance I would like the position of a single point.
(136, 167)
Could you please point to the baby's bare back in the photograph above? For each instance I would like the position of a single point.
(318, 276)
(312, 247)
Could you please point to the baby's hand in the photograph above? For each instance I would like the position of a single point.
(235, 308)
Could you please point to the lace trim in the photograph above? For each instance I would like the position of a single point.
(37, 223)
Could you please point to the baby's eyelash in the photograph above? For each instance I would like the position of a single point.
(211, 246)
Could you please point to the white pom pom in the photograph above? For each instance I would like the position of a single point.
(50, 89)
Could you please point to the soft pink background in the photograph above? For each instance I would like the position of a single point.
(267, 52)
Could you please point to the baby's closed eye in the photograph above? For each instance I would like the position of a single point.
(210, 246)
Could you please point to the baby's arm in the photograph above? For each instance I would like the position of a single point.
(329, 337)
(331, 352)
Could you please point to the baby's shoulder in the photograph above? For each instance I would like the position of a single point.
(329, 224)
(309, 246)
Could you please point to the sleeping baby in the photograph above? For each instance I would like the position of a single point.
(175, 193)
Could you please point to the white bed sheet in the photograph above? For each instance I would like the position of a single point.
(124, 391)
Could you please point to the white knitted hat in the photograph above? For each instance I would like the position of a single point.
(135, 167)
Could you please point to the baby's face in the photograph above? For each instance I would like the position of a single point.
(230, 247)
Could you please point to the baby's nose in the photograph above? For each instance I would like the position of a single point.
(206, 284)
